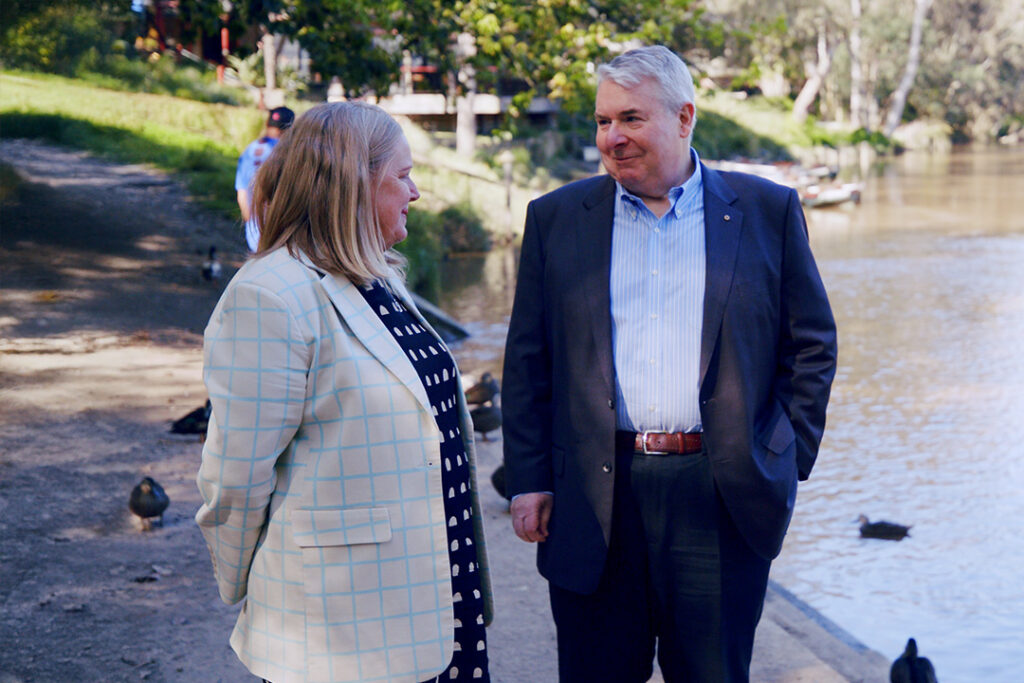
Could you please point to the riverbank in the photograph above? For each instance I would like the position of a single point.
(101, 322)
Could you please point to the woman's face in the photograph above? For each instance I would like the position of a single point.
(394, 192)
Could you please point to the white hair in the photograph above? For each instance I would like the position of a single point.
(655, 63)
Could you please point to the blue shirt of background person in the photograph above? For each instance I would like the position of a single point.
(249, 162)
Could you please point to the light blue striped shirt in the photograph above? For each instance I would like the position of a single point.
(657, 302)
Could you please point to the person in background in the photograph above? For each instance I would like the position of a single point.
(338, 475)
(249, 162)
(668, 364)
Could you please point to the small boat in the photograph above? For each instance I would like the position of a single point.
(820, 196)
(817, 185)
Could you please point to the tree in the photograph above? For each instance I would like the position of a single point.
(899, 98)
(816, 73)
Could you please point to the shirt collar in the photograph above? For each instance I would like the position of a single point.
(690, 188)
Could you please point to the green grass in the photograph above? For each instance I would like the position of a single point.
(755, 127)
(196, 141)
(226, 125)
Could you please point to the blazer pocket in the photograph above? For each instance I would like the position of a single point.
(337, 526)
(778, 439)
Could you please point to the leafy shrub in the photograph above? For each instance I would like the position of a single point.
(56, 39)
(462, 229)
(423, 249)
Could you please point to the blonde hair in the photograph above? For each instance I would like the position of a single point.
(315, 193)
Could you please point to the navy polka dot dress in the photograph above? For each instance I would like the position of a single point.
(436, 369)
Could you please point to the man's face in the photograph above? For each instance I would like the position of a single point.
(643, 145)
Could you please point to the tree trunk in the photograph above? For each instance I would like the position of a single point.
(815, 77)
(899, 97)
(856, 68)
(465, 118)
(269, 58)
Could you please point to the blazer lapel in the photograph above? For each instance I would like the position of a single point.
(594, 260)
(722, 226)
(370, 331)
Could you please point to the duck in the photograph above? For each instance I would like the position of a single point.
(486, 418)
(909, 668)
(483, 391)
(148, 501)
(888, 531)
(195, 422)
(211, 267)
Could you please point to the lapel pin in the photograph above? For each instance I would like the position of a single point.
(727, 217)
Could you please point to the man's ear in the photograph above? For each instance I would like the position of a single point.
(687, 117)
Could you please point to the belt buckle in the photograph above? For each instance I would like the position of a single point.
(643, 441)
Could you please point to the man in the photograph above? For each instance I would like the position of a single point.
(255, 154)
(668, 365)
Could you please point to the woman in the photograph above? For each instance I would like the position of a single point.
(338, 473)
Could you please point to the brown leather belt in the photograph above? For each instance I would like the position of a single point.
(661, 443)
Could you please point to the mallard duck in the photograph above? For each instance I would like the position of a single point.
(483, 391)
(486, 418)
(148, 501)
(884, 530)
(211, 267)
(195, 422)
(909, 668)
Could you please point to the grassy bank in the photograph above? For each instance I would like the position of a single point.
(198, 142)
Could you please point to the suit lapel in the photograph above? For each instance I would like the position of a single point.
(370, 331)
(722, 226)
(594, 251)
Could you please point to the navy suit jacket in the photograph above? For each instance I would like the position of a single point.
(768, 356)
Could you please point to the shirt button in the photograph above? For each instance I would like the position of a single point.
(606, 468)
(654, 272)
(654, 316)
(651, 361)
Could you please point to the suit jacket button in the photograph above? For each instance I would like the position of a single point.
(607, 467)
(611, 404)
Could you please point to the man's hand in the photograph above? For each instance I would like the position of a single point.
(530, 515)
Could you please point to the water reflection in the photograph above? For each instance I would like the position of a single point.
(926, 425)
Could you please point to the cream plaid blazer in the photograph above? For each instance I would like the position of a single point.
(321, 484)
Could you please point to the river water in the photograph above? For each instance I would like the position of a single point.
(926, 423)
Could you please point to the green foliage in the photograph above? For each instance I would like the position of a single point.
(422, 247)
(719, 137)
(550, 45)
(56, 39)
(876, 139)
(161, 76)
(462, 229)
